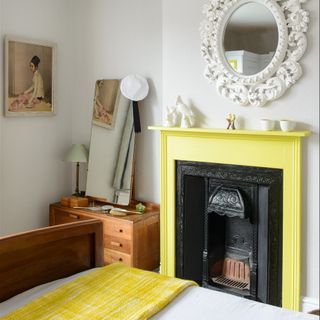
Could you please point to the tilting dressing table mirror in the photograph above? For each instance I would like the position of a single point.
(111, 156)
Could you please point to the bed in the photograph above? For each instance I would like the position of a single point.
(39, 263)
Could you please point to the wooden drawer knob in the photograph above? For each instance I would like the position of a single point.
(73, 216)
(116, 244)
(116, 259)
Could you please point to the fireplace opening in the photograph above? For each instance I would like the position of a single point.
(229, 257)
(229, 229)
(233, 273)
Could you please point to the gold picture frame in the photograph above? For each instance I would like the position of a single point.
(29, 77)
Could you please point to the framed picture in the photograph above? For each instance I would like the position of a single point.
(105, 103)
(29, 77)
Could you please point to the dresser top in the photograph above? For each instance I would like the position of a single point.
(149, 212)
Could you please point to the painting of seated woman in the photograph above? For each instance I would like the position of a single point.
(29, 77)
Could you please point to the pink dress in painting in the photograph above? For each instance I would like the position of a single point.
(32, 96)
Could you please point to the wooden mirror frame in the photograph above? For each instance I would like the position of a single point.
(283, 70)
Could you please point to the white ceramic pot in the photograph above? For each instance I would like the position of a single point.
(267, 124)
(287, 125)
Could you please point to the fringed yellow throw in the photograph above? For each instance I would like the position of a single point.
(112, 292)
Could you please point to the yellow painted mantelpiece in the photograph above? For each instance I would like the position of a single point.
(269, 149)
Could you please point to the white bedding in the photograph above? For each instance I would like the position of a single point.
(193, 304)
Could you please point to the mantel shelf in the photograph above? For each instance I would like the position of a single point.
(277, 133)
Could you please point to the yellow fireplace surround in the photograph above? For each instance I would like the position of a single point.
(268, 149)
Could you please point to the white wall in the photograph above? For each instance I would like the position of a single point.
(183, 69)
(95, 39)
(31, 168)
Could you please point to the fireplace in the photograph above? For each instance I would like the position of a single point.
(258, 149)
(229, 228)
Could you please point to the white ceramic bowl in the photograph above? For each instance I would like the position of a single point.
(267, 124)
(287, 125)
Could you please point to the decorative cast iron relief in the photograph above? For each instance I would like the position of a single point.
(231, 172)
(227, 202)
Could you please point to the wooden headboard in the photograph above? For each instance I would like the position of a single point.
(32, 258)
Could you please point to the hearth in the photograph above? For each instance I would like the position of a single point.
(229, 228)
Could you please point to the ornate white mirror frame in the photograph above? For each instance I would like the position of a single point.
(283, 70)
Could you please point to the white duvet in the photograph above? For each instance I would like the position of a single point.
(194, 303)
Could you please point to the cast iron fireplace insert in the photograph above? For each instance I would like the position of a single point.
(229, 228)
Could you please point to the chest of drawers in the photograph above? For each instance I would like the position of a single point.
(133, 239)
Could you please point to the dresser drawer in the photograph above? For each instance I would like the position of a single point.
(111, 256)
(65, 217)
(118, 229)
(118, 244)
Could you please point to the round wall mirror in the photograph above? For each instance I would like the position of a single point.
(252, 48)
(250, 39)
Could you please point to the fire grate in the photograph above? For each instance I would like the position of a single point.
(222, 280)
(235, 274)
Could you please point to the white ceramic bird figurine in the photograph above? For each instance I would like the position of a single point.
(180, 114)
(187, 117)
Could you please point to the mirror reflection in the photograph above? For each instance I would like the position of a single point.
(250, 39)
(104, 103)
(110, 167)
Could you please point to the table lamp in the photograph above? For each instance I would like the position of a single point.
(77, 153)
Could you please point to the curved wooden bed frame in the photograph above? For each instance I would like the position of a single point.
(32, 258)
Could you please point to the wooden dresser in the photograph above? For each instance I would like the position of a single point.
(132, 239)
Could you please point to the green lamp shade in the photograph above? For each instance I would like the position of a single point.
(77, 153)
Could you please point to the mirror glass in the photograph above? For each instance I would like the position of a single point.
(250, 39)
(110, 167)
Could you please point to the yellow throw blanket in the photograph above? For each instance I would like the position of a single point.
(112, 292)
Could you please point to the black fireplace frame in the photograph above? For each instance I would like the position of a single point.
(193, 178)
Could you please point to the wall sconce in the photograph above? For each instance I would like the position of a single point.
(77, 153)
